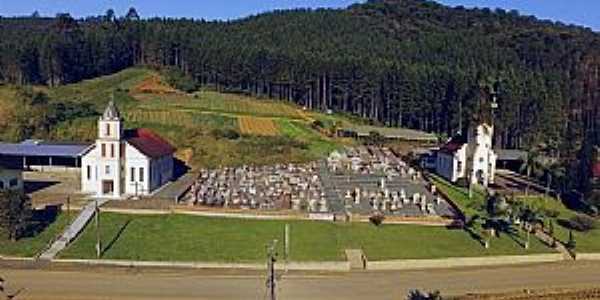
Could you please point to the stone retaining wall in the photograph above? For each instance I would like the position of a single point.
(416, 264)
(588, 256)
(237, 215)
(334, 266)
(296, 266)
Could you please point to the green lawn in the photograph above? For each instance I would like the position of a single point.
(460, 196)
(318, 145)
(29, 247)
(586, 242)
(191, 238)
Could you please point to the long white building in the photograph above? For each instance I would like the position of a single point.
(459, 156)
(125, 163)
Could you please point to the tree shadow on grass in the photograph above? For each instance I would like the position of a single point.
(40, 220)
(513, 234)
(116, 237)
(32, 186)
(475, 236)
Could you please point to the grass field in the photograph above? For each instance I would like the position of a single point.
(318, 144)
(191, 238)
(100, 90)
(29, 247)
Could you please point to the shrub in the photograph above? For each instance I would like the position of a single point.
(377, 219)
(180, 80)
(462, 182)
(582, 223)
(318, 124)
(551, 213)
(15, 214)
(418, 295)
(229, 134)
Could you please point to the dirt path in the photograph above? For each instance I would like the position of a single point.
(134, 285)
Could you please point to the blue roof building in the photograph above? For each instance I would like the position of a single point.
(41, 153)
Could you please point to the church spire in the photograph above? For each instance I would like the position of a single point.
(111, 112)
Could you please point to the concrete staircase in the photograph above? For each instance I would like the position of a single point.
(356, 258)
(72, 231)
(558, 246)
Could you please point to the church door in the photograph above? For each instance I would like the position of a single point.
(108, 187)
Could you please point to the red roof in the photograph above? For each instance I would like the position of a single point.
(453, 145)
(149, 143)
(596, 170)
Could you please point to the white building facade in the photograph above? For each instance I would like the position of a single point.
(472, 158)
(125, 163)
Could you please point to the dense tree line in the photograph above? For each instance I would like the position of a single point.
(411, 63)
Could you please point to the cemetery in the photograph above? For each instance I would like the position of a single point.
(355, 181)
(295, 187)
(370, 179)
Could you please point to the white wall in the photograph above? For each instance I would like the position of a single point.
(89, 160)
(448, 164)
(136, 160)
(109, 163)
(98, 166)
(484, 158)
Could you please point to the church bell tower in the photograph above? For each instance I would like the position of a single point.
(110, 135)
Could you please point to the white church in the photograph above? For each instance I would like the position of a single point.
(472, 157)
(125, 163)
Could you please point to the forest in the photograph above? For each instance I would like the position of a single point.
(409, 63)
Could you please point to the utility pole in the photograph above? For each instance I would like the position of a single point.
(271, 279)
(97, 217)
(286, 245)
(69, 208)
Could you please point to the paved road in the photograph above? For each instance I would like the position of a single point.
(152, 284)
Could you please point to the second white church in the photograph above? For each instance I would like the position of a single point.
(125, 163)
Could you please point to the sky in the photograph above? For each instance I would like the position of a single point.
(580, 12)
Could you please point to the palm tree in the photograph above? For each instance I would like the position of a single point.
(531, 165)
(556, 174)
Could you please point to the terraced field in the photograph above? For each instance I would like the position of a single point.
(210, 101)
(178, 118)
(258, 126)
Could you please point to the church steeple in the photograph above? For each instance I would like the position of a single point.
(111, 112)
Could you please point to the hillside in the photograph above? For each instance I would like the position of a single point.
(409, 63)
(209, 129)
